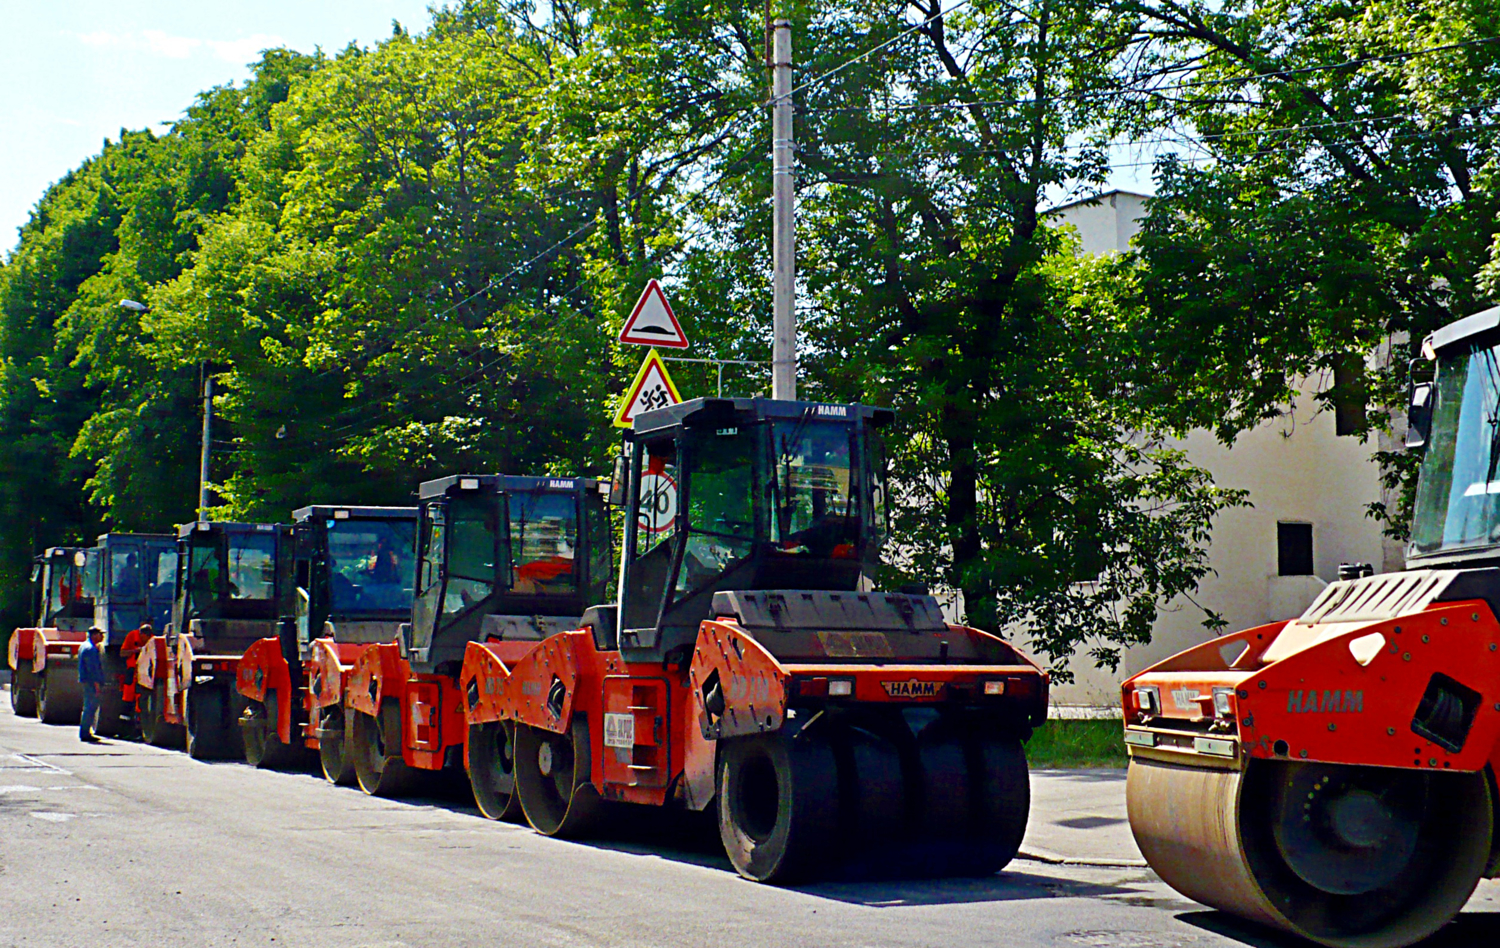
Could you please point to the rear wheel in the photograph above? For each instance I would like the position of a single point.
(155, 730)
(778, 805)
(375, 747)
(111, 709)
(333, 749)
(975, 800)
(553, 780)
(492, 773)
(211, 726)
(874, 808)
(59, 696)
(23, 693)
(1368, 857)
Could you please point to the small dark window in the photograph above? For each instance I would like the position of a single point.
(1350, 396)
(1294, 549)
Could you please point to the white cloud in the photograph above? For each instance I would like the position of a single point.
(173, 47)
(162, 43)
(101, 38)
(241, 51)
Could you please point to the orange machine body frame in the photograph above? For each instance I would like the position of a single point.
(325, 678)
(1346, 698)
(432, 715)
(262, 670)
(36, 646)
(652, 739)
(157, 663)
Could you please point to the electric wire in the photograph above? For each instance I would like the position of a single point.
(475, 377)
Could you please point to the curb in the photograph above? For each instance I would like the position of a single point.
(1053, 859)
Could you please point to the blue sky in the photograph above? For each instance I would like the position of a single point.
(74, 72)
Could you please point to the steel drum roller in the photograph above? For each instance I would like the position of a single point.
(1354, 857)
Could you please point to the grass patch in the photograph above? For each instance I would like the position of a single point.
(1077, 743)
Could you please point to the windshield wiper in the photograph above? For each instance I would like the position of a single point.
(783, 468)
(1492, 370)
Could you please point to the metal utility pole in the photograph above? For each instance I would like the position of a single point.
(208, 417)
(784, 237)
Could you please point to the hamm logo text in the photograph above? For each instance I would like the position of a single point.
(910, 689)
(1332, 702)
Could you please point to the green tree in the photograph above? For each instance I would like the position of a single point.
(1334, 191)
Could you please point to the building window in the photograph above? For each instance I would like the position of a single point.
(1294, 549)
(1350, 395)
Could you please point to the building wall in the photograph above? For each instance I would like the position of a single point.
(1295, 468)
(1107, 223)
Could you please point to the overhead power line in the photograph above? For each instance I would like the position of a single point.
(1128, 91)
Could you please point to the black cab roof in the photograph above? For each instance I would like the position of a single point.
(719, 411)
(335, 512)
(499, 482)
(222, 526)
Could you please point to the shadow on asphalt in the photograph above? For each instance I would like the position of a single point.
(1005, 887)
(1469, 930)
(693, 839)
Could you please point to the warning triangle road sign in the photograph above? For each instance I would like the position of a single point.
(652, 322)
(652, 389)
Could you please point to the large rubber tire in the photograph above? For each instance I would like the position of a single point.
(212, 728)
(975, 800)
(554, 780)
(379, 772)
(59, 698)
(492, 771)
(1269, 844)
(876, 808)
(23, 693)
(111, 711)
(334, 749)
(778, 805)
(155, 730)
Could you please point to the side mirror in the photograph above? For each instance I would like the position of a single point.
(617, 482)
(80, 558)
(1419, 416)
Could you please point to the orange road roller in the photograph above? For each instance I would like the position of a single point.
(344, 584)
(1334, 775)
(44, 659)
(502, 560)
(750, 666)
(225, 601)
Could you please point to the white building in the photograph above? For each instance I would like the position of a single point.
(1309, 487)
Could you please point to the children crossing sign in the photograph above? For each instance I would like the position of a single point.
(652, 389)
(652, 322)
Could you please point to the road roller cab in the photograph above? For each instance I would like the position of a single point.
(502, 562)
(1334, 775)
(134, 575)
(226, 599)
(44, 658)
(750, 661)
(346, 584)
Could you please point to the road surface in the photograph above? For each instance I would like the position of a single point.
(123, 845)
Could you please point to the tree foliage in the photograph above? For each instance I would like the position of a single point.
(409, 259)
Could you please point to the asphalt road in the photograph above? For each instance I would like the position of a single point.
(119, 844)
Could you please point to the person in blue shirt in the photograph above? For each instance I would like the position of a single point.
(91, 678)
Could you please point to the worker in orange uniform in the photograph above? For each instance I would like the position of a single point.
(130, 655)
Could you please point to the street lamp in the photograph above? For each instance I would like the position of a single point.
(208, 417)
